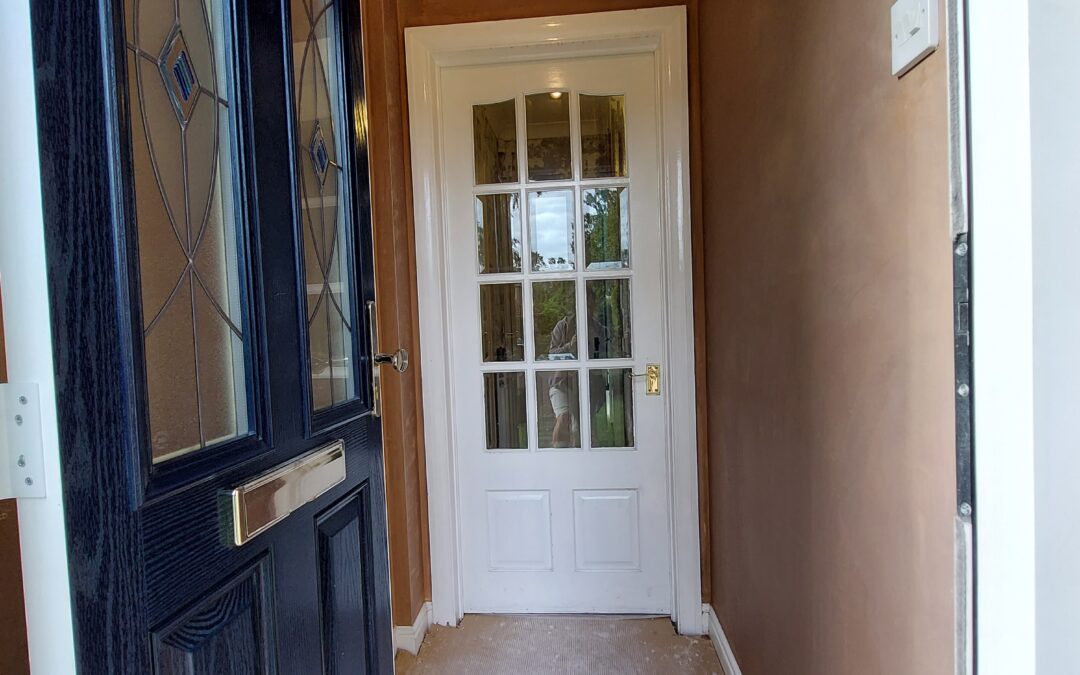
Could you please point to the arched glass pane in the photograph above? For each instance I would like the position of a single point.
(189, 232)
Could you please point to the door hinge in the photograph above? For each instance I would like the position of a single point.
(22, 464)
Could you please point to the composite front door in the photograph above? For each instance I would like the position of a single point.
(210, 267)
(556, 307)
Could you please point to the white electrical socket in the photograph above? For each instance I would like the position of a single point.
(914, 33)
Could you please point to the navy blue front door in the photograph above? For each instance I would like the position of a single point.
(209, 249)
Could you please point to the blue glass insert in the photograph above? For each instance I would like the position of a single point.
(179, 74)
(320, 157)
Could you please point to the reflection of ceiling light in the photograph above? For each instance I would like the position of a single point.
(552, 39)
(553, 24)
(556, 94)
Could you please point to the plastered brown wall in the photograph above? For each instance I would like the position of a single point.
(406, 486)
(829, 340)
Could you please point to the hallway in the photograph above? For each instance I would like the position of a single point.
(497, 645)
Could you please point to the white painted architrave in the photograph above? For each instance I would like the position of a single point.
(28, 332)
(662, 32)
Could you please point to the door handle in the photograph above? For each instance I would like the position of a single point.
(399, 360)
(652, 379)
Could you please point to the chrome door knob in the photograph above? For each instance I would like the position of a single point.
(399, 360)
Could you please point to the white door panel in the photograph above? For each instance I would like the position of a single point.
(554, 257)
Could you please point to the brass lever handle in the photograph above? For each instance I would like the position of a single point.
(399, 360)
(652, 379)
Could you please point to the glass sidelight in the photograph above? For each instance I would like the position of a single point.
(191, 237)
(324, 199)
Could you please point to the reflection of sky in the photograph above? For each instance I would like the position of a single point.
(551, 215)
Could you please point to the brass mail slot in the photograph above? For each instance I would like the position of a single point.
(264, 501)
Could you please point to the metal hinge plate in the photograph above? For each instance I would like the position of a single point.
(22, 465)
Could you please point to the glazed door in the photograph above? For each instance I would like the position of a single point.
(210, 267)
(553, 183)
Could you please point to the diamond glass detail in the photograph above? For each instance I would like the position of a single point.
(320, 157)
(179, 73)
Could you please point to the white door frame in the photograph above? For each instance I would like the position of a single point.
(662, 32)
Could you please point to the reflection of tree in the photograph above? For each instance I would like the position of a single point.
(552, 302)
(540, 263)
(603, 222)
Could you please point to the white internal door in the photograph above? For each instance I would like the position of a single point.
(555, 313)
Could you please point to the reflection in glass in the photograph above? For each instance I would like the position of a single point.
(554, 320)
(506, 422)
(495, 143)
(502, 336)
(609, 318)
(603, 136)
(498, 233)
(190, 236)
(606, 213)
(611, 408)
(551, 230)
(557, 423)
(320, 122)
(547, 117)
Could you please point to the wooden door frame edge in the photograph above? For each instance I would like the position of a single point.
(663, 32)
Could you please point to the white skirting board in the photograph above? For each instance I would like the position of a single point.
(411, 637)
(720, 642)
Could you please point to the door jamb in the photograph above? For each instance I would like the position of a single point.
(662, 32)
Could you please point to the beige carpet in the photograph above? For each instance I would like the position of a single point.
(593, 645)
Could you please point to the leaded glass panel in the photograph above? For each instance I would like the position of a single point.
(189, 233)
(320, 123)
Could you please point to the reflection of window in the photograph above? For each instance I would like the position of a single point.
(495, 143)
(603, 136)
(188, 225)
(547, 118)
(498, 233)
(317, 79)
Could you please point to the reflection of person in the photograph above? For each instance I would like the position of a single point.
(563, 342)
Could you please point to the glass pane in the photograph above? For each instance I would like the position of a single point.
(189, 233)
(504, 407)
(555, 320)
(551, 230)
(320, 122)
(547, 117)
(606, 212)
(609, 318)
(557, 423)
(611, 407)
(603, 136)
(495, 143)
(498, 233)
(501, 334)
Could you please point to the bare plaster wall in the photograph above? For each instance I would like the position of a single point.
(829, 365)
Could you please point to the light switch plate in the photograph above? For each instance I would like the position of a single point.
(914, 33)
